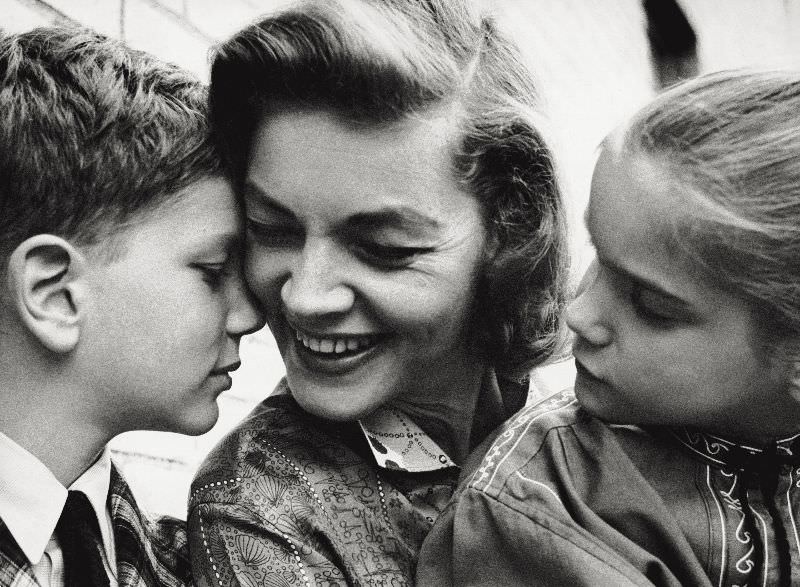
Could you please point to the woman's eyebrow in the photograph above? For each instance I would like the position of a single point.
(402, 217)
(255, 193)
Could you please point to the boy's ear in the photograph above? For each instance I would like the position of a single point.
(44, 275)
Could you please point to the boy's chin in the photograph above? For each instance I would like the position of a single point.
(194, 424)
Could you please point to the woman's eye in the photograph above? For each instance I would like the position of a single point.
(273, 235)
(388, 256)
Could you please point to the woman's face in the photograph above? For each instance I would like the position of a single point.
(365, 253)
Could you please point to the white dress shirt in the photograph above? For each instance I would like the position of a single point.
(31, 501)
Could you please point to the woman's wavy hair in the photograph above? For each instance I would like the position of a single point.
(733, 140)
(375, 62)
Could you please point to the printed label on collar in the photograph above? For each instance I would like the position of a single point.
(398, 443)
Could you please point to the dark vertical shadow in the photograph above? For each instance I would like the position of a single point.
(673, 42)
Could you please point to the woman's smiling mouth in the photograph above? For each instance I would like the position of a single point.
(334, 344)
(332, 353)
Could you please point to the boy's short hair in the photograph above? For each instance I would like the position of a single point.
(92, 133)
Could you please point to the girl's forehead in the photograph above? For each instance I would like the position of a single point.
(634, 207)
(630, 184)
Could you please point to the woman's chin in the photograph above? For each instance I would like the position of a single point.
(333, 402)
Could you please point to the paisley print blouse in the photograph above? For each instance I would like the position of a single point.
(290, 499)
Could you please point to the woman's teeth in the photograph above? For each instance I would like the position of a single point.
(334, 345)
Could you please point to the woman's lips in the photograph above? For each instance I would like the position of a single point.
(332, 354)
(335, 345)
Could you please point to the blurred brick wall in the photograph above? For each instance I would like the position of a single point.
(591, 58)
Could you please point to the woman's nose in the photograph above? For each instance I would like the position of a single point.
(315, 286)
(584, 315)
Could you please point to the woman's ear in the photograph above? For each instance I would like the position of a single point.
(45, 281)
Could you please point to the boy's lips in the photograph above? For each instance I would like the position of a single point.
(227, 368)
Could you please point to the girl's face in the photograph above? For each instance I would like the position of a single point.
(364, 251)
(656, 342)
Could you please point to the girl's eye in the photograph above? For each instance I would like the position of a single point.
(273, 235)
(649, 306)
(389, 257)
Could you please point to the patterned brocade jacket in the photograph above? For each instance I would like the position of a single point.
(291, 499)
(562, 498)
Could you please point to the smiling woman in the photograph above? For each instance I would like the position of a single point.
(384, 256)
(406, 238)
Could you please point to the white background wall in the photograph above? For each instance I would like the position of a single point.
(592, 60)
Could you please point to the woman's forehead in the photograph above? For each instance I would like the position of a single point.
(312, 160)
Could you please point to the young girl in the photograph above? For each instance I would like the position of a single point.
(677, 461)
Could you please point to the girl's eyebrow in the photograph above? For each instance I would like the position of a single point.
(644, 282)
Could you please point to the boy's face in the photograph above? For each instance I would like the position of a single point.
(656, 342)
(163, 322)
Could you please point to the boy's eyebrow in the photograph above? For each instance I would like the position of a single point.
(229, 242)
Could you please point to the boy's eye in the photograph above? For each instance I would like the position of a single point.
(273, 235)
(214, 274)
(387, 256)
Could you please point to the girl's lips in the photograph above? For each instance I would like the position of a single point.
(584, 372)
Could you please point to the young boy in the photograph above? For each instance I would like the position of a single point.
(121, 299)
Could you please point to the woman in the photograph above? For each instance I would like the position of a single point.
(406, 238)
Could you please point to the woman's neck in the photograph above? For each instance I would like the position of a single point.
(446, 414)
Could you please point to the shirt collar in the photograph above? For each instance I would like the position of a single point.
(95, 483)
(721, 452)
(29, 491)
(397, 443)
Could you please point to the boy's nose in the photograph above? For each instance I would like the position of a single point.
(584, 314)
(246, 315)
(314, 286)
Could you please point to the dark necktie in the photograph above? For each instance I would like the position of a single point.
(78, 535)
